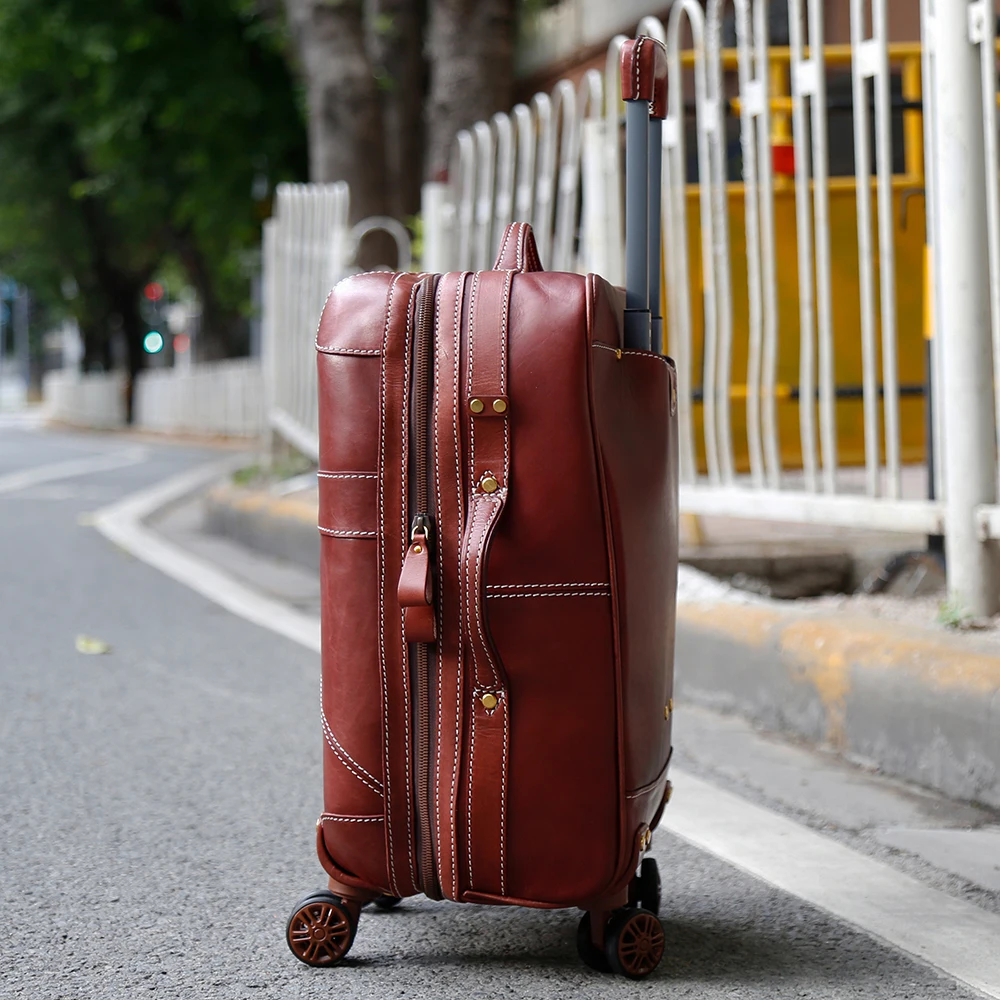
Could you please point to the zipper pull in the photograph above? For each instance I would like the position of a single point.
(415, 591)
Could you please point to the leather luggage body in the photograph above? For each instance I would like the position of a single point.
(498, 518)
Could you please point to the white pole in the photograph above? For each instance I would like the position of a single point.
(963, 294)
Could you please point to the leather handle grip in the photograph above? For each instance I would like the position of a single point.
(644, 73)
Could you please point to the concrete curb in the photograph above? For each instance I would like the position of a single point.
(917, 704)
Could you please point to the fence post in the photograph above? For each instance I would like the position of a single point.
(435, 255)
(963, 293)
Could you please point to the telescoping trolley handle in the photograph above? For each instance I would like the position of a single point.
(644, 90)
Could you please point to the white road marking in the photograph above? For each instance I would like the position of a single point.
(953, 936)
(956, 938)
(122, 523)
(24, 478)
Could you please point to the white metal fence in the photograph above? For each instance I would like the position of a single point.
(557, 164)
(308, 247)
(219, 397)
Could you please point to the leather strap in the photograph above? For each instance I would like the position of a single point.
(489, 468)
(518, 251)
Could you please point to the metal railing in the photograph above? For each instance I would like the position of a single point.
(308, 247)
(787, 451)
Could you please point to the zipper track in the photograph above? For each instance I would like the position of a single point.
(423, 360)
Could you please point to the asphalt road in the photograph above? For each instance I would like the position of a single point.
(157, 804)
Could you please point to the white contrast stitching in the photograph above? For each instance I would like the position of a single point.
(351, 819)
(346, 759)
(373, 352)
(545, 586)
(503, 797)
(503, 249)
(634, 354)
(344, 533)
(460, 509)
(520, 243)
(404, 646)
(440, 560)
(638, 50)
(472, 330)
(487, 525)
(472, 767)
(381, 599)
(347, 475)
(572, 593)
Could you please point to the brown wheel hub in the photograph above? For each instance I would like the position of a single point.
(639, 944)
(320, 932)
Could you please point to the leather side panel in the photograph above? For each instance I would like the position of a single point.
(351, 344)
(637, 429)
(563, 795)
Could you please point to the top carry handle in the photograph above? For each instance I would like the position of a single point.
(644, 90)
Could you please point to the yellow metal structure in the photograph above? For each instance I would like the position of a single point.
(911, 297)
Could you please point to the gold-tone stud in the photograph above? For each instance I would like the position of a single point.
(489, 701)
(418, 549)
(668, 709)
(668, 792)
(618, 354)
(500, 405)
(477, 406)
(488, 484)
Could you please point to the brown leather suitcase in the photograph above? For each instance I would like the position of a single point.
(498, 518)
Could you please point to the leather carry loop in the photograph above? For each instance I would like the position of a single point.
(518, 251)
(489, 468)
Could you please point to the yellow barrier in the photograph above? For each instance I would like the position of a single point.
(909, 240)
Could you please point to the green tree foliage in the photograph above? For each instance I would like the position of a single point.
(132, 133)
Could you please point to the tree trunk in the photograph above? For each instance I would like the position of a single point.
(346, 139)
(472, 68)
(396, 41)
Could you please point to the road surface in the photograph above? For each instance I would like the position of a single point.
(159, 801)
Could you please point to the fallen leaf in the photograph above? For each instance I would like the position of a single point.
(90, 646)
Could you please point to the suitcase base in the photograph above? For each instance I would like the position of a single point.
(626, 940)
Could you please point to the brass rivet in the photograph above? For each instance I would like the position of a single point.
(489, 701)
(488, 484)
(668, 792)
(417, 548)
(500, 405)
(668, 709)
(476, 406)
(618, 354)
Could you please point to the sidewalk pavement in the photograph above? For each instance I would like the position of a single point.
(876, 679)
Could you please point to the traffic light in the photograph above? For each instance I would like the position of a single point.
(153, 342)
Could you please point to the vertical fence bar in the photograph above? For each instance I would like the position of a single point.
(753, 100)
(864, 65)
(545, 173)
(717, 391)
(804, 75)
(675, 223)
(525, 184)
(504, 197)
(485, 164)
(463, 177)
(887, 250)
(982, 32)
(566, 118)
(594, 233)
(961, 255)
(613, 110)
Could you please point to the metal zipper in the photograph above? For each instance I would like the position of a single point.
(421, 524)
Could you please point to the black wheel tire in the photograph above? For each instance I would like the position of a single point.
(321, 930)
(634, 942)
(590, 954)
(650, 889)
(387, 902)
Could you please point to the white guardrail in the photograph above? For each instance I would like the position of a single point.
(556, 163)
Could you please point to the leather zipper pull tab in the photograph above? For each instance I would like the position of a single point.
(416, 591)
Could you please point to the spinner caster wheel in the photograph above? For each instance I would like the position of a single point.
(590, 954)
(321, 930)
(648, 889)
(387, 902)
(633, 942)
